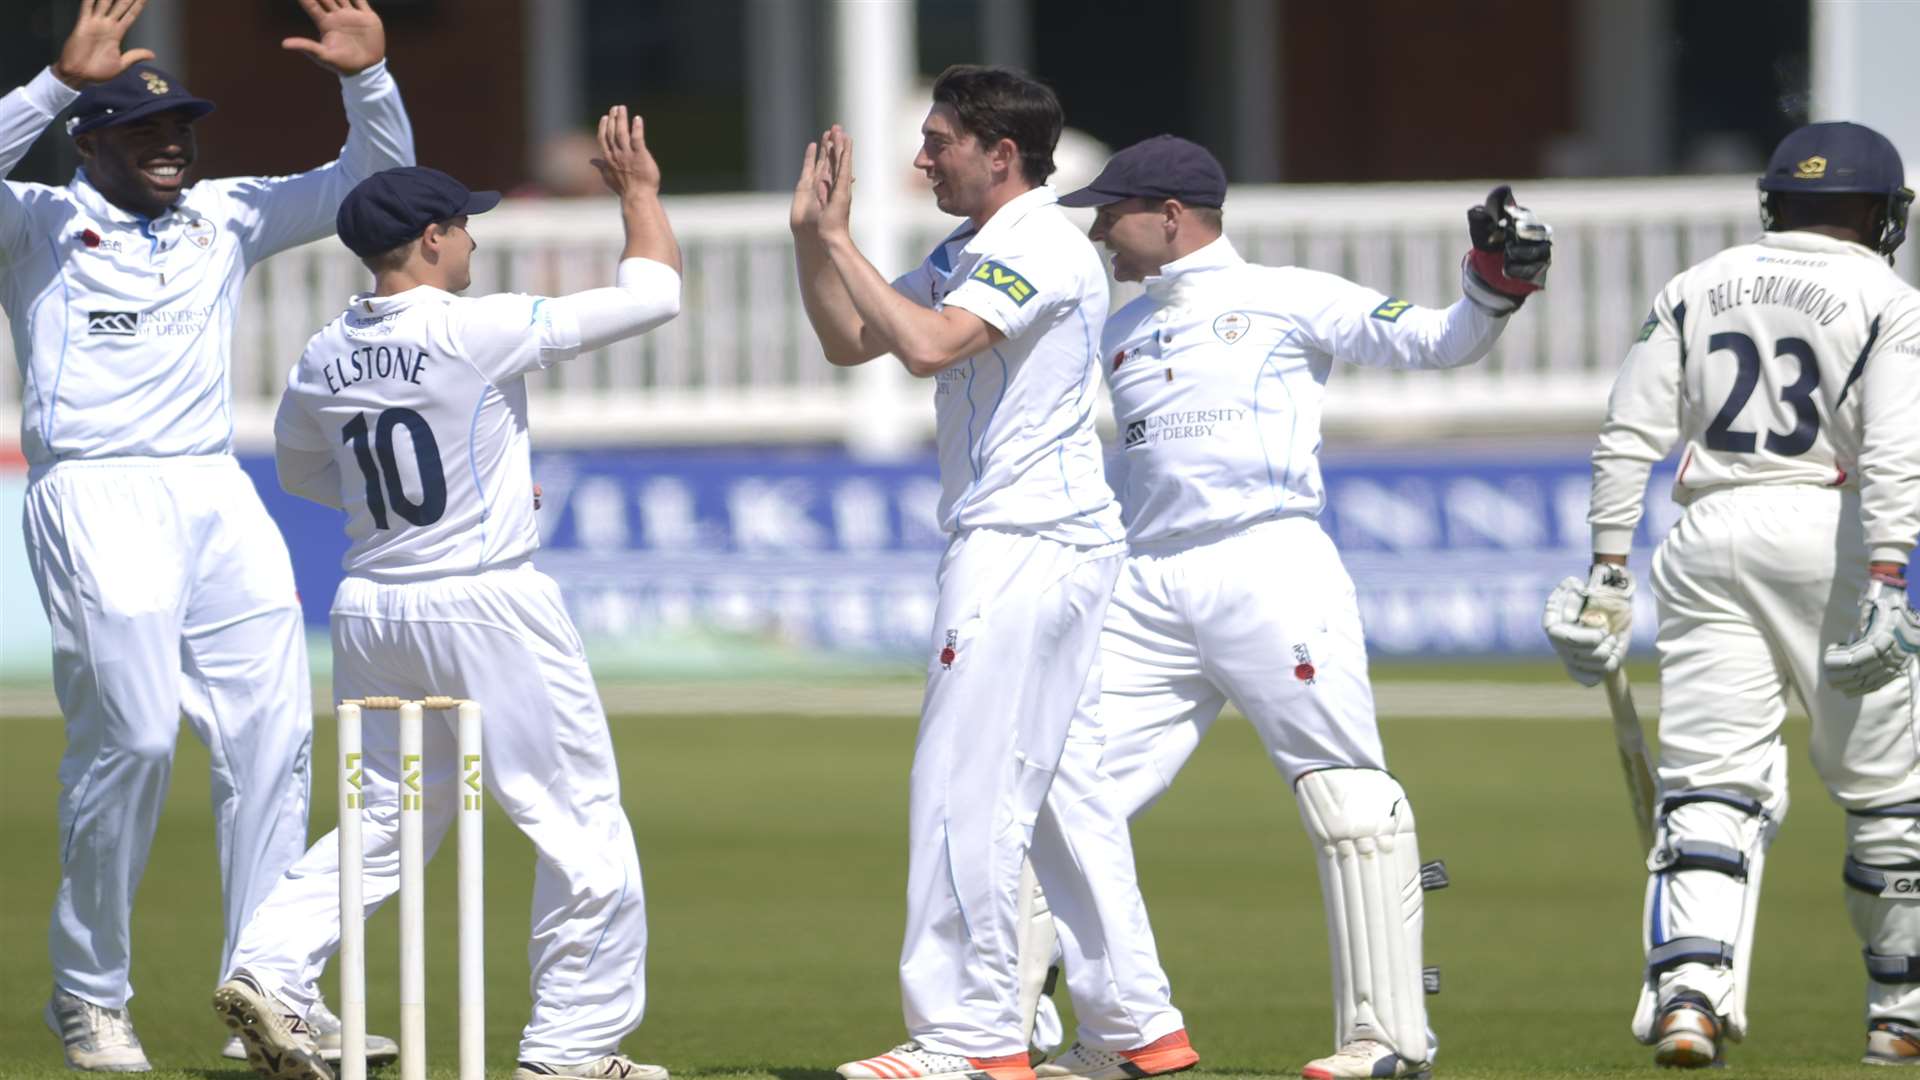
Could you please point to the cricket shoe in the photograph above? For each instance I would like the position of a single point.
(278, 1042)
(1167, 1054)
(911, 1061)
(98, 1039)
(1890, 1042)
(1687, 1033)
(326, 1032)
(1365, 1058)
(611, 1067)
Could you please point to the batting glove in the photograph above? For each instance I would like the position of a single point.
(1884, 645)
(1512, 250)
(1589, 623)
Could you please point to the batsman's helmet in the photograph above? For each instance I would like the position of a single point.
(1840, 158)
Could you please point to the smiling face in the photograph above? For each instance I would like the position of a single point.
(141, 166)
(1135, 231)
(961, 169)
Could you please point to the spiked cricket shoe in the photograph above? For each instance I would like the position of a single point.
(279, 1043)
(1167, 1054)
(911, 1061)
(1687, 1033)
(611, 1067)
(1890, 1042)
(326, 1032)
(98, 1039)
(1364, 1058)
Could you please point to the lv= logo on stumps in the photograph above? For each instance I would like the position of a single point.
(413, 865)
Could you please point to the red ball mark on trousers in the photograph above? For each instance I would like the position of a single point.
(1303, 672)
(946, 656)
(90, 238)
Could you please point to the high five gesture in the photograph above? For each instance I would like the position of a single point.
(352, 38)
(92, 53)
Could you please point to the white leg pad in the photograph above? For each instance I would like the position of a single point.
(1703, 893)
(1883, 899)
(1363, 838)
(1039, 945)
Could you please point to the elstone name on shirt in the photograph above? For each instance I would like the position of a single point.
(1799, 294)
(375, 362)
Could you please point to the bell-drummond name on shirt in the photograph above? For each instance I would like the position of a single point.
(375, 362)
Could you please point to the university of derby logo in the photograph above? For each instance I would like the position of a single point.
(114, 323)
(1231, 327)
(156, 85)
(200, 232)
(1814, 168)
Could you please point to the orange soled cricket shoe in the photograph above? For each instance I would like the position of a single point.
(1167, 1054)
(1891, 1042)
(911, 1061)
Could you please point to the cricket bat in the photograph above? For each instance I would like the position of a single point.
(1635, 760)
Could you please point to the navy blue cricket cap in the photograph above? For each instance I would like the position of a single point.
(1163, 167)
(392, 206)
(141, 90)
(1834, 158)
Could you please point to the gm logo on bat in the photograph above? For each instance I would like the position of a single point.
(999, 277)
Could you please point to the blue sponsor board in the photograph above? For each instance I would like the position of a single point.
(1453, 552)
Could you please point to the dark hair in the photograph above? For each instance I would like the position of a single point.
(997, 103)
(389, 260)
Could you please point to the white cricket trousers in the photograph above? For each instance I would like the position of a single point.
(1265, 615)
(1753, 583)
(1007, 742)
(503, 639)
(169, 591)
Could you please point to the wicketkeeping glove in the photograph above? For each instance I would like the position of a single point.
(1590, 623)
(1884, 645)
(1512, 249)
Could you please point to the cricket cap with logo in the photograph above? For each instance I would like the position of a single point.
(141, 90)
(1163, 167)
(392, 206)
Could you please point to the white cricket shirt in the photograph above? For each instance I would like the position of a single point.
(1219, 372)
(1014, 425)
(1791, 360)
(123, 325)
(410, 413)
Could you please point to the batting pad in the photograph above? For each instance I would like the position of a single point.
(1362, 831)
(1882, 872)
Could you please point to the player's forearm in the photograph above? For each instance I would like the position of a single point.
(310, 475)
(379, 134)
(1889, 458)
(1436, 339)
(924, 341)
(26, 112)
(649, 233)
(829, 309)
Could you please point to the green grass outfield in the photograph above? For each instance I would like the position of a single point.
(774, 852)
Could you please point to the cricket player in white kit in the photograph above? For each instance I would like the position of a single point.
(168, 588)
(1004, 316)
(1231, 590)
(409, 412)
(1789, 368)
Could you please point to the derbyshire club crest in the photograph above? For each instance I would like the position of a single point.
(156, 85)
(1232, 326)
(200, 233)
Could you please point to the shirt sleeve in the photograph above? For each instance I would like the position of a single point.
(1642, 426)
(1362, 326)
(1014, 292)
(1889, 463)
(273, 213)
(916, 284)
(511, 334)
(302, 456)
(24, 115)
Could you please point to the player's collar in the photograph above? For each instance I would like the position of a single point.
(96, 204)
(1218, 255)
(371, 304)
(1801, 240)
(1011, 212)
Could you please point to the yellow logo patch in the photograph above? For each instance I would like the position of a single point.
(1390, 309)
(999, 277)
(1813, 168)
(155, 84)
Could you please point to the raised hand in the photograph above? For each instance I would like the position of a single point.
(836, 208)
(625, 163)
(92, 52)
(811, 189)
(352, 38)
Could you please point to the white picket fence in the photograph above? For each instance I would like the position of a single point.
(741, 365)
